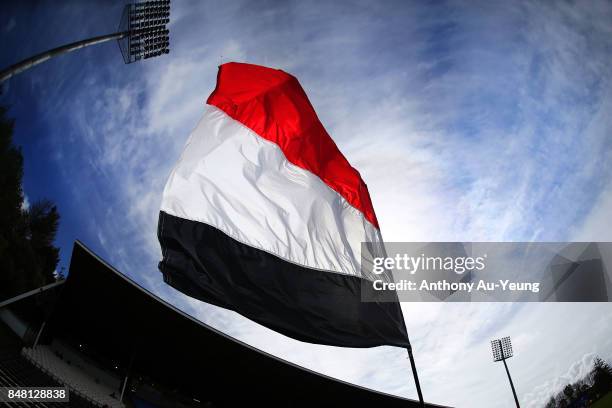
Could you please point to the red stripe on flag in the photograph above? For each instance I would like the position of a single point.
(273, 104)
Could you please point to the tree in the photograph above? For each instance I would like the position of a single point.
(589, 388)
(568, 391)
(28, 257)
(551, 403)
(601, 375)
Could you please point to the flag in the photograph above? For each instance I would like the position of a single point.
(263, 215)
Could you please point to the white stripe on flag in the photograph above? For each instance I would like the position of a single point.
(234, 180)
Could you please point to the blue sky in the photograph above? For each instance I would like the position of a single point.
(469, 121)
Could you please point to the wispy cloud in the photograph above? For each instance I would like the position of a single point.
(474, 121)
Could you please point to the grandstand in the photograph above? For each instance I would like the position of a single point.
(114, 344)
(16, 371)
(66, 373)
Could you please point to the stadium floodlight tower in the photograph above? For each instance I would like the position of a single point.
(145, 24)
(142, 34)
(502, 350)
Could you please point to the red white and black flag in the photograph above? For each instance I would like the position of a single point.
(263, 215)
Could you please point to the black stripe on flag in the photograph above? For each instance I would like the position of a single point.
(306, 304)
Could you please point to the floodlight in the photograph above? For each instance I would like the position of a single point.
(143, 20)
(147, 34)
(497, 350)
(502, 350)
(506, 347)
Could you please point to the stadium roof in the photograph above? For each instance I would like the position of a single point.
(105, 311)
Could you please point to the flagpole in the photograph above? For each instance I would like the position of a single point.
(415, 375)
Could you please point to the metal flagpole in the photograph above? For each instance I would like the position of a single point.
(44, 56)
(415, 375)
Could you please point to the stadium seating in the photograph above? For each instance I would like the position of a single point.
(16, 371)
(71, 376)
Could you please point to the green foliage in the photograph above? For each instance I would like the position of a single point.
(587, 390)
(568, 391)
(551, 403)
(601, 376)
(605, 402)
(28, 257)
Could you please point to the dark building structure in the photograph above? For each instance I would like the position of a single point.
(145, 352)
